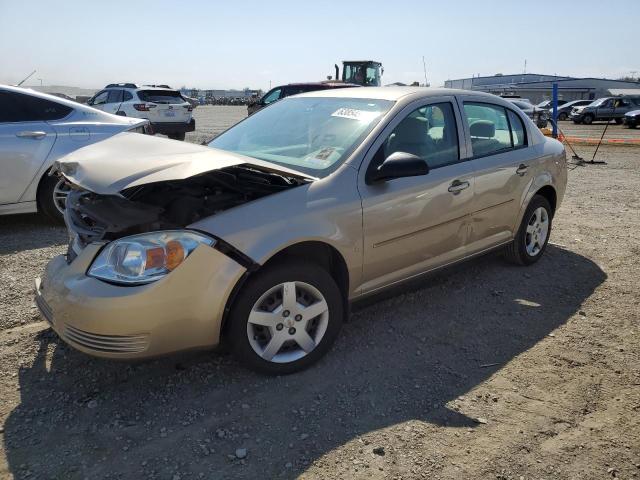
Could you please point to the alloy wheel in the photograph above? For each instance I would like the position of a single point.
(537, 231)
(60, 194)
(287, 322)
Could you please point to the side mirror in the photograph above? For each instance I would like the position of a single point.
(398, 165)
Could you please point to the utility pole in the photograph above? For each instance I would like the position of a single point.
(424, 66)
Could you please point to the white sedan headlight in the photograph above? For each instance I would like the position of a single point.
(146, 257)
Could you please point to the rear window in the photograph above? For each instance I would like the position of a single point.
(161, 96)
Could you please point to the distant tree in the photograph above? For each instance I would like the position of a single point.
(628, 78)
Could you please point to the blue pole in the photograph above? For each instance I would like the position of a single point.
(555, 110)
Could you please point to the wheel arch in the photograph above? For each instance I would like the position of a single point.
(314, 251)
(548, 192)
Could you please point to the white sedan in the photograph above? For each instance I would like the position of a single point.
(35, 130)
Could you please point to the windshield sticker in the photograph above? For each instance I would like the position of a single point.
(354, 114)
(321, 158)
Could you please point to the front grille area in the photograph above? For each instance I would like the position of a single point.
(106, 343)
(44, 308)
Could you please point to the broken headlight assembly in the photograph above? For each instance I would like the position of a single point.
(147, 257)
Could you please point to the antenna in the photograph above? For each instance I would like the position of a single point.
(525, 66)
(424, 66)
(26, 78)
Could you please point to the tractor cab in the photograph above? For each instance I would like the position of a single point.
(361, 72)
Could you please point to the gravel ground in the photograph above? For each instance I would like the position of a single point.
(483, 371)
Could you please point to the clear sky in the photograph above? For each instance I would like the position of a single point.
(236, 44)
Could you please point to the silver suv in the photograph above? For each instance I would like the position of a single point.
(262, 240)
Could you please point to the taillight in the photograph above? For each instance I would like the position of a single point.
(141, 107)
(188, 107)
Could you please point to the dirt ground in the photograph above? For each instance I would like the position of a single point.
(485, 370)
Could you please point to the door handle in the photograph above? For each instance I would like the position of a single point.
(522, 169)
(457, 186)
(29, 134)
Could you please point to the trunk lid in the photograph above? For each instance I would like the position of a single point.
(130, 159)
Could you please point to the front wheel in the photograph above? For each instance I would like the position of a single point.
(285, 318)
(562, 116)
(52, 197)
(618, 121)
(587, 119)
(532, 237)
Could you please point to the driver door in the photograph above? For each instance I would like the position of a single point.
(414, 224)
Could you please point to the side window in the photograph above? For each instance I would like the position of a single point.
(16, 107)
(272, 96)
(489, 128)
(115, 96)
(100, 98)
(127, 96)
(430, 133)
(518, 133)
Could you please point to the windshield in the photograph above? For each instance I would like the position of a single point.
(598, 102)
(312, 135)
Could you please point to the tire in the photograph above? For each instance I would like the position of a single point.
(618, 121)
(587, 119)
(562, 116)
(45, 198)
(577, 122)
(249, 341)
(177, 136)
(519, 251)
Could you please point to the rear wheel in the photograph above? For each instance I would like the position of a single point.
(177, 136)
(285, 318)
(52, 197)
(533, 235)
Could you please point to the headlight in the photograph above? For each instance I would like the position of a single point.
(147, 257)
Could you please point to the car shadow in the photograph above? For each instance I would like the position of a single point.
(29, 231)
(403, 356)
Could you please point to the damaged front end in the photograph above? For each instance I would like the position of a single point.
(167, 205)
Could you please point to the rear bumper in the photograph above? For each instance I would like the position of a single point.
(182, 311)
(166, 128)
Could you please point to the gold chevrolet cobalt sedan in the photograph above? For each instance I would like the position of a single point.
(262, 239)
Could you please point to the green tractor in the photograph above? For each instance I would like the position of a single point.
(361, 72)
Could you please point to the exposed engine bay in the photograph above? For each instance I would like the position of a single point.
(169, 204)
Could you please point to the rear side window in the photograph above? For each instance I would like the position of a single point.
(493, 128)
(272, 96)
(161, 96)
(127, 96)
(518, 133)
(16, 107)
(489, 128)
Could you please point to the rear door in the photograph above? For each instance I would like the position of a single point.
(165, 106)
(25, 140)
(114, 100)
(504, 166)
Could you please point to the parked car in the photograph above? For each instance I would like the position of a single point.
(548, 104)
(264, 238)
(35, 130)
(283, 91)
(166, 109)
(539, 116)
(607, 108)
(565, 109)
(632, 119)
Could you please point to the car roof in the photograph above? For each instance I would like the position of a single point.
(392, 93)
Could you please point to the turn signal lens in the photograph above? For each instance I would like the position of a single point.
(175, 254)
(145, 258)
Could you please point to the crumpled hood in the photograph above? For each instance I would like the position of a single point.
(131, 159)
